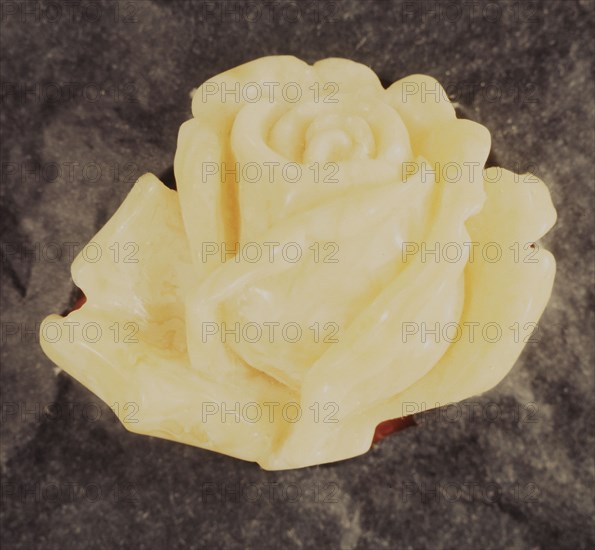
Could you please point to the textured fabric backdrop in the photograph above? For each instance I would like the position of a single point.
(93, 94)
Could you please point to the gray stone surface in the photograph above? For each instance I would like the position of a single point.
(523, 479)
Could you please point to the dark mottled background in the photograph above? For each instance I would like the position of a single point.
(93, 94)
